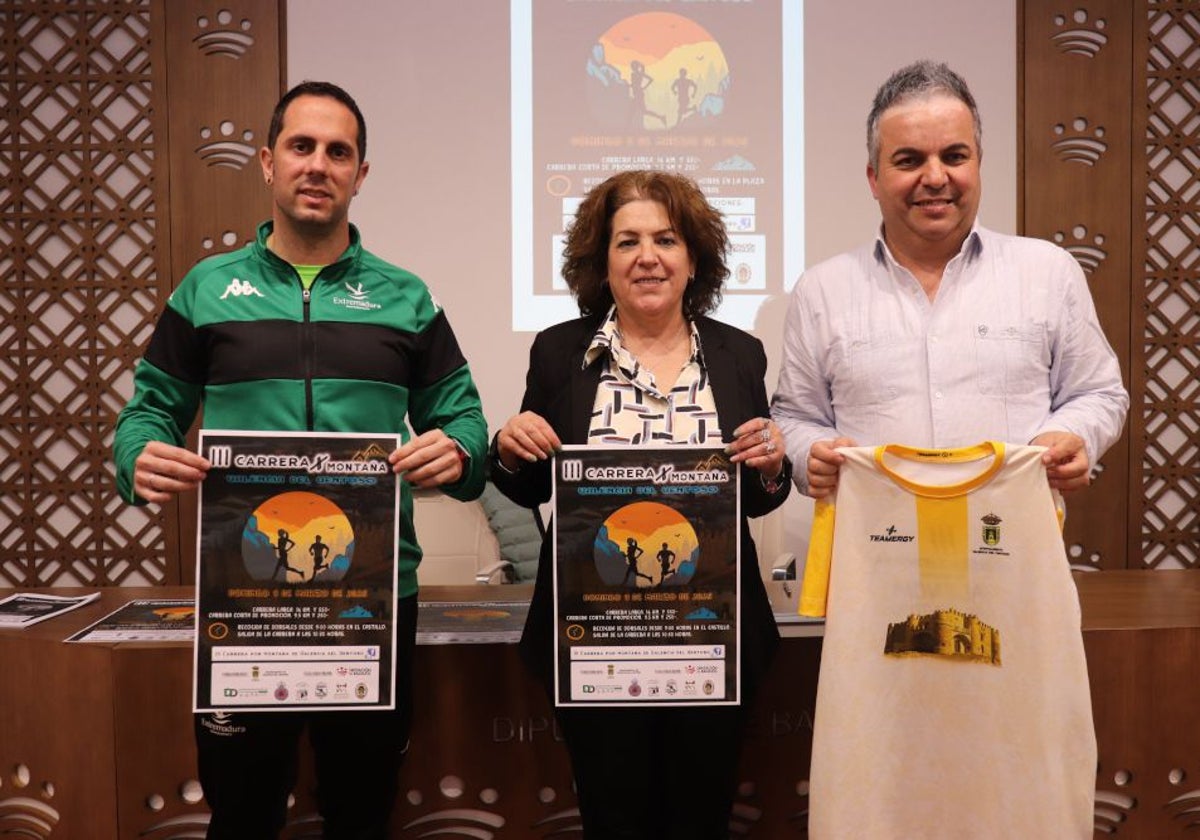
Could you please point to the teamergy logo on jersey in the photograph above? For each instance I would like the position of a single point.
(890, 535)
(357, 298)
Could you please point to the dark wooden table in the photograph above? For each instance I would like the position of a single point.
(96, 739)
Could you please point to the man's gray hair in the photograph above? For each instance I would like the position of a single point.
(918, 80)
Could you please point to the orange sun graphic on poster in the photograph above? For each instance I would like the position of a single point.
(296, 537)
(646, 544)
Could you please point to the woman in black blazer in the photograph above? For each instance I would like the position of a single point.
(645, 259)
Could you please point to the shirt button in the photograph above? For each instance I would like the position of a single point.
(937, 394)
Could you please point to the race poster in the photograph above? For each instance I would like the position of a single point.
(296, 572)
(646, 559)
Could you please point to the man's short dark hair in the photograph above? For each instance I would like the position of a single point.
(918, 80)
(309, 88)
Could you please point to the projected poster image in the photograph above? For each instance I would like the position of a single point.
(654, 71)
(707, 89)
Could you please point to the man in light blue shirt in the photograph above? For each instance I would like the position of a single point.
(942, 333)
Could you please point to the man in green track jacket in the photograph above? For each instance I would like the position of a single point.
(304, 330)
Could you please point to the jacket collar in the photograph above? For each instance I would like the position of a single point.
(723, 377)
(584, 385)
(334, 269)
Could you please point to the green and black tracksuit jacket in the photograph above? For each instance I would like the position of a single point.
(365, 347)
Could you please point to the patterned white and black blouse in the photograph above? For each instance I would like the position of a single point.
(630, 408)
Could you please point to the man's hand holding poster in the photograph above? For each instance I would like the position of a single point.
(647, 550)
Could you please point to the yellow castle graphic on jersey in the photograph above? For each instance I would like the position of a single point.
(948, 633)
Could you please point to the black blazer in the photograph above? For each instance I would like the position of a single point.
(562, 391)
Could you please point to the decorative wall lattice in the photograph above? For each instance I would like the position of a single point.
(1169, 399)
(79, 216)
(126, 127)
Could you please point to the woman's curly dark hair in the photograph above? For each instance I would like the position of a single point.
(698, 223)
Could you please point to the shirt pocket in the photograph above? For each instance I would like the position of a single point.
(1011, 359)
(866, 370)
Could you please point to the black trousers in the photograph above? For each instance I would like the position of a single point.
(248, 761)
(654, 774)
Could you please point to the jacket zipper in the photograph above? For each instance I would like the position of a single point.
(306, 354)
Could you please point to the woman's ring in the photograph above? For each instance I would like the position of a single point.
(770, 446)
(765, 434)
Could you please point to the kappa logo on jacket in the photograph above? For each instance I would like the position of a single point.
(240, 288)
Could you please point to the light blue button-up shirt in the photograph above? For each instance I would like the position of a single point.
(1009, 348)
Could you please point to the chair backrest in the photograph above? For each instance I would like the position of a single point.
(518, 532)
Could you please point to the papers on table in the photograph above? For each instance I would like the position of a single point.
(24, 609)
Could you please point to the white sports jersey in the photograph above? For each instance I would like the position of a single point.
(953, 699)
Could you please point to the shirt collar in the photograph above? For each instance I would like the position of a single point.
(607, 339)
(971, 247)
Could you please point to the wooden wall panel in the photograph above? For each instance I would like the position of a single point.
(224, 75)
(1110, 169)
(127, 140)
(1075, 86)
(223, 79)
